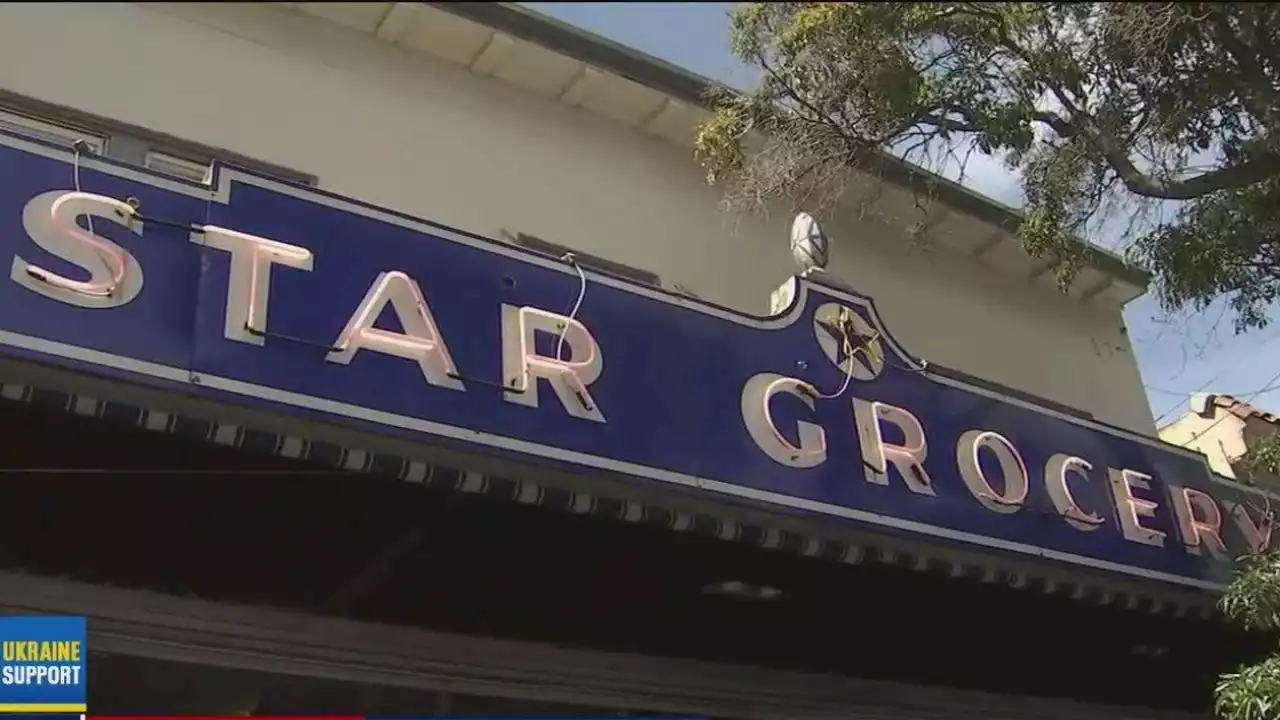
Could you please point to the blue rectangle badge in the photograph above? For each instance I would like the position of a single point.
(43, 664)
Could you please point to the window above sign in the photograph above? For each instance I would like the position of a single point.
(595, 262)
(178, 167)
(53, 133)
(586, 260)
(127, 144)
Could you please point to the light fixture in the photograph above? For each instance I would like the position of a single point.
(809, 244)
(1154, 652)
(739, 589)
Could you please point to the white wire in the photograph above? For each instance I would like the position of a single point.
(864, 347)
(88, 218)
(848, 375)
(577, 304)
(75, 178)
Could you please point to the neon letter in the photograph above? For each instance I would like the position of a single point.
(1132, 509)
(522, 366)
(1012, 468)
(249, 284)
(1258, 534)
(1055, 479)
(1199, 520)
(908, 457)
(115, 277)
(421, 340)
(756, 396)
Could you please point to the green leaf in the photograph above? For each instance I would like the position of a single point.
(1090, 102)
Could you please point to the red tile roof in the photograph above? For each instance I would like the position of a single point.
(1207, 404)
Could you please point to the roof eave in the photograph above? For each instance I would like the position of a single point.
(525, 24)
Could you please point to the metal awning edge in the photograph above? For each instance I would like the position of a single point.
(697, 519)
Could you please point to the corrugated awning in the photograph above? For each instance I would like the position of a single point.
(529, 492)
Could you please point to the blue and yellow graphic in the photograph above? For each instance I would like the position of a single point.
(42, 664)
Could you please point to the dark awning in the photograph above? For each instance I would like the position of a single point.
(186, 630)
(706, 520)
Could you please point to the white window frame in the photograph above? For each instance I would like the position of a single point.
(56, 133)
(585, 259)
(127, 144)
(178, 167)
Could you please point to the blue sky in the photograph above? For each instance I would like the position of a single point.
(1178, 356)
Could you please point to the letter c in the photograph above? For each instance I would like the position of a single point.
(1055, 479)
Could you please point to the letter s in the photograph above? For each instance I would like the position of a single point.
(115, 277)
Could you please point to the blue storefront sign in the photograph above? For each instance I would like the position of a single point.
(285, 297)
(42, 664)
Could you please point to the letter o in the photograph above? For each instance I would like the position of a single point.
(1012, 468)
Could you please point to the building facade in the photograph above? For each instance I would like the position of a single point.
(686, 510)
(1223, 428)
(496, 134)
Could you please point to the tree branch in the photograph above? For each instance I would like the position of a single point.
(1230, 177)
(1259, 86)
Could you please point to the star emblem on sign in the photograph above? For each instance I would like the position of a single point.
(836, 334)
(848, 341)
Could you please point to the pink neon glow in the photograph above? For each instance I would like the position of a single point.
(408, 343)
(899, 451)
(1134, 503)
(768, 416)
(1258, 534)
(1211, 524)
(892, 452)
(260, 246)
(1080, 466)
(112, 256)
(885, 454)
(978, 443)
(565, 368)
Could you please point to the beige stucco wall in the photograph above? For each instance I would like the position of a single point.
(399, 129)
(1219, 439)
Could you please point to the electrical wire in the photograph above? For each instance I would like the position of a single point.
(1205, 384)
(851, 354)
(866, 348)
(1188, 395)
(577, 304)
(1272, 384)
(119, 266)
(75, 179)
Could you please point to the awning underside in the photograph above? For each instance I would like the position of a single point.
(106, 503)
(528, 492)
